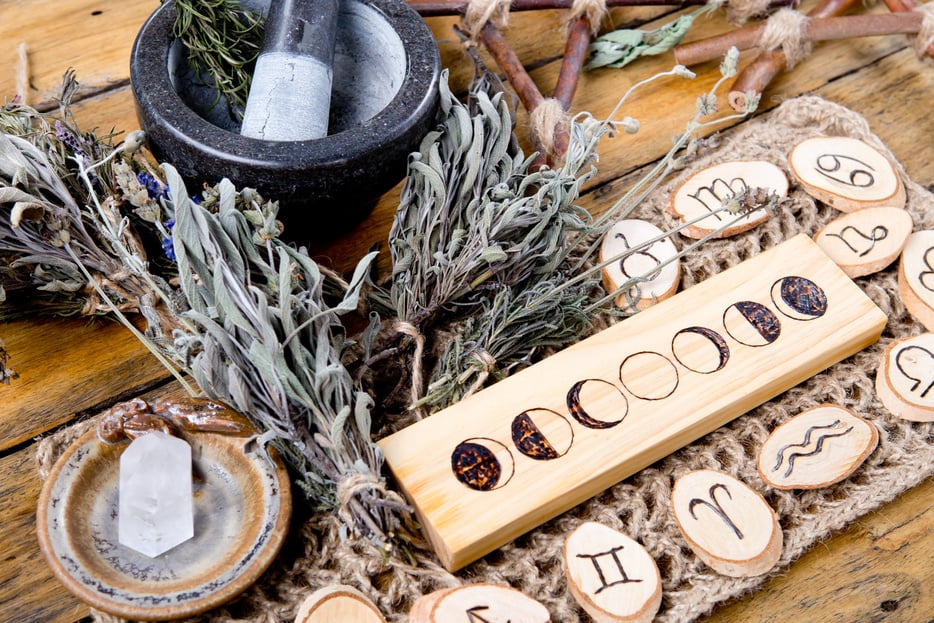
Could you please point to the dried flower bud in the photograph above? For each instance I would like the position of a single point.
(729, 63)
(630, 125)
(752, 101)
(684, 72)
(134, 140)
(707, 104)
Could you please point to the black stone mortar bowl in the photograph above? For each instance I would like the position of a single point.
(383, 101)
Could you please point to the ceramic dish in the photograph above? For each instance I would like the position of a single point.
(242, 506)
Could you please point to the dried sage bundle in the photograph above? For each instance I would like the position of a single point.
(264, 339)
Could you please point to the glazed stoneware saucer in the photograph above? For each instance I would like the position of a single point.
(242, 507)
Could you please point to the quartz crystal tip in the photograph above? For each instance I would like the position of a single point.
(155, 511)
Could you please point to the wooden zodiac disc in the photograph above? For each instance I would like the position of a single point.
(474, 603)
(866, 241)
(816, 448)
(916, 277)
(629, 240)
(611, 576)
(905, 378)
(338, 603)
(708, 189)
(727, 524)
(846, 173)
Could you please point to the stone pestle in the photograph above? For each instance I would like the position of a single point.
(290, 94)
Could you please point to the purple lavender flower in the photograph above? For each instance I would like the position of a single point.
(154, 188)
(168, 247)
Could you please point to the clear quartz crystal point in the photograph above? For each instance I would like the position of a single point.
(155, 500)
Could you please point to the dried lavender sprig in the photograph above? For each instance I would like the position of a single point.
(266, 341)
(6, 373)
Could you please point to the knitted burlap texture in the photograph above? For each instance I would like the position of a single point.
(315, 554)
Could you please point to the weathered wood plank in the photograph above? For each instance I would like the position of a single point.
(29, 593)
(61, 372)
(878, 569)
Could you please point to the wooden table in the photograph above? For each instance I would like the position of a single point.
(879, 569)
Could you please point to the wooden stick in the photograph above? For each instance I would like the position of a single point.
(759, 74)
(816, 30)
(902, 6)
(437, 8)
(523, 85)
(575, 53)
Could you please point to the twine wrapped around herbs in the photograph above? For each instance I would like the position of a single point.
(786, 29)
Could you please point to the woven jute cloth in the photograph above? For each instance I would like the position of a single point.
(315, 555)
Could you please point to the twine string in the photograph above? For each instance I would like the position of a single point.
(544, 122)
(787, 29)
(480, 12)
(925, 38)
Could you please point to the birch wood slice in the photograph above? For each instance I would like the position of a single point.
(916, 277)
(612, 577)
(905, 378)
(707, 190)
(338, 604)
(630, 241)
(727, 524)
(816, 448)
(478, 603)
(846, 173)
(865, 241)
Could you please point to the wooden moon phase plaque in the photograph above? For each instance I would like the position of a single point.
(816, 448)
(612, 577)
(475, 603)
(865, 241)
(643, 253)
(727, 524)
(705, 191)
(338, 603)
(916, 277)
(846, 173)
(485, 470)
(905, 378)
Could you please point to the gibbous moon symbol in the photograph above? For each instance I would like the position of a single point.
(799, 298)
(542, 434)
(700, 349)
(751, 323)
(482, 464)
(602, 406)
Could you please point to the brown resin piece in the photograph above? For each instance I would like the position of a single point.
(474, 603)
(846, 173)
(707, 190)
(905, 378)
(338, 604)
(612, 577)
(916, 277)
(130, 419)
(727, 524)
(654, 264)
(816, 448)
(865, 241)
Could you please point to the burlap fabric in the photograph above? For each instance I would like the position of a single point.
(315, 555)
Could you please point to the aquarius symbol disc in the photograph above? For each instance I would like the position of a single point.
(816, 448)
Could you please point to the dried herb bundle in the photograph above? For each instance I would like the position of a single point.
(264, 340)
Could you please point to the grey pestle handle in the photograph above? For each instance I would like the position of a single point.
(290, 94)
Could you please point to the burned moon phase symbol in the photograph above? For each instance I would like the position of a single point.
(648, 375)
(542, 434)
(482, 464)
(601, 405)
(700, 349)
(751, 323)
(799, 298)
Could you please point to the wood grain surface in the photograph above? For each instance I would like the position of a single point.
(878, 569)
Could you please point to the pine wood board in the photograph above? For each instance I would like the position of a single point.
(62, 373)
(467, 513)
